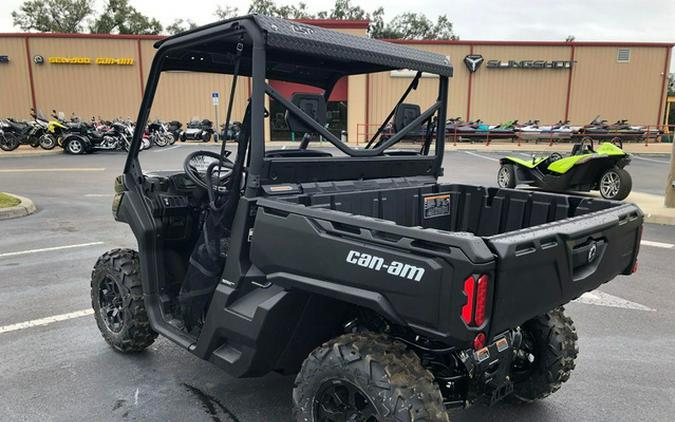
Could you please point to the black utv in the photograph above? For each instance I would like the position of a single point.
(393, 296)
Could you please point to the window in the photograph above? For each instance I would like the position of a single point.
(623, 55)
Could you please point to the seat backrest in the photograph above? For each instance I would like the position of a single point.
(314, 105)
(405, 114)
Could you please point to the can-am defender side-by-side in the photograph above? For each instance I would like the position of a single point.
(585, 168)
(391, 295)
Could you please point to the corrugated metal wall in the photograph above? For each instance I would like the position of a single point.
(86, 89)
(614, 90)
(523, 94)
(599, 84)
(15, 98)
(385, 90)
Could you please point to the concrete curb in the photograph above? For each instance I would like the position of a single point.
(26, 207)
(22, 154)
(653, 208)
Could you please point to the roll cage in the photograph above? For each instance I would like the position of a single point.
(265, 48)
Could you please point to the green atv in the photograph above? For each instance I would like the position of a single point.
(585, 169)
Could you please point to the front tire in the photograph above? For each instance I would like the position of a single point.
(366, 377)
(506, 176)
(117, 300)
(615, 184)
(47, 142)
(546, 357)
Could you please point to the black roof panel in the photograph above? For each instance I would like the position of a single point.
(304, 53)
(303, 38)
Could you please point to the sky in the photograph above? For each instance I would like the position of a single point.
(531, 20)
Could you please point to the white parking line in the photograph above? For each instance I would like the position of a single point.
(167, 148)
(481, 156)
(55, 248)
(651, 159)
(45, 321)
(605, 299)
(98, 195)
(657, 244)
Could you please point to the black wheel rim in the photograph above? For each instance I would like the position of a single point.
(525, 360)
(111, 304)
(342, 401)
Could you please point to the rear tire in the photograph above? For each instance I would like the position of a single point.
(366, 376)
(547, 361)
(206, 137)
(506, 176)
(615, 184)
(9, 142)
(117, 300)
(74, 146)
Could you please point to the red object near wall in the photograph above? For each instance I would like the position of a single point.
(287, 89)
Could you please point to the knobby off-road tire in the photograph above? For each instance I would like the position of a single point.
(380, 370)
(116, 276)
(554, 341)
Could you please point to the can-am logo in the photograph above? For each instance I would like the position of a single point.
(473, 62)
(529, 64)
(377, 263)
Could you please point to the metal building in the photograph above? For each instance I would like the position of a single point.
(104, 75)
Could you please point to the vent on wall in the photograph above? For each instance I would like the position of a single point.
(623, 55)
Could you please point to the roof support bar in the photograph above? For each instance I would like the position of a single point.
(413, 85)
(336, 141)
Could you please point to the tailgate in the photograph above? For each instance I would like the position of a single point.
(545, 266)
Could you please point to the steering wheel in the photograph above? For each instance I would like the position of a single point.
(555, 156)
(202, 168)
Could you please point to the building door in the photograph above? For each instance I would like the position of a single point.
(336, 109)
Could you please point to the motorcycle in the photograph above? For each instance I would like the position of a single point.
(159, 135)
(97, 136)
(197, 130)
(232, 132)
(174, 128)
(9, 143)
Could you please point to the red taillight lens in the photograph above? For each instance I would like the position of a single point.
(481, 300)
(467, 309)
(479, 341)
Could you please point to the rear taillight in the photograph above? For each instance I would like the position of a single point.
(476, 289)
(467, 309)
(481, 300)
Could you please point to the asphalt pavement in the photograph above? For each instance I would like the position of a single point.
(54, 365)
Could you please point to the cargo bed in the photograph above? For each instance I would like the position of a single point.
(540, 249)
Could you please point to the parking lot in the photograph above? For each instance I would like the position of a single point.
(56, 367)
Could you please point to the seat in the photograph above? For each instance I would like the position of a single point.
(314, 105)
